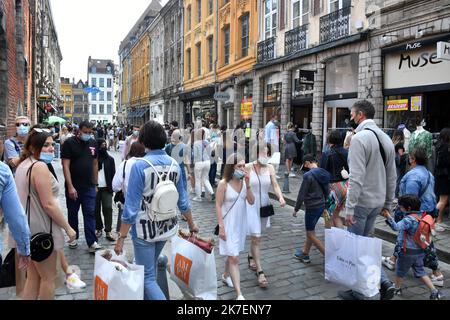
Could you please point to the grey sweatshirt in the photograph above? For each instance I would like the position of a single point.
(371, 183)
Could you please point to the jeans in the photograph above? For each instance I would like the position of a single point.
(365, 221)
(213, 173)
(201, 171)
(86, 199)
(146, 254)
(103, 202)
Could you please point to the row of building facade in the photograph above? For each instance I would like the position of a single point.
(306, 60)
(30, 59)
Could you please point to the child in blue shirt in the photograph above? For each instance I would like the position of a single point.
(410, 254)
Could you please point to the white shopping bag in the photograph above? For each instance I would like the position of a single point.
(353, 261)
(112, 281)
(193, 269)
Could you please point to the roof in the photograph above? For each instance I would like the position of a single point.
(146, 18)
(101, 66)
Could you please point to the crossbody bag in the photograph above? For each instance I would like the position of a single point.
(266, 211)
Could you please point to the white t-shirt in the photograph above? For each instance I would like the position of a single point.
(111, 134)
(101, 178)
(119, 183)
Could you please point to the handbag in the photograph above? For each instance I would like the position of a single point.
(120, 196)
(216, 229)
(266, 211)
(41, 244)
(8, 270)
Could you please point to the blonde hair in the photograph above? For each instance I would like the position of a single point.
(22, 118)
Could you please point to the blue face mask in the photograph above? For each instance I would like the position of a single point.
(238, 174)
(47, 157)
(23, 131)
(85, 137)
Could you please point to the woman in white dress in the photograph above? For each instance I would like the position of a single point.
(262, 177)
(231, 197)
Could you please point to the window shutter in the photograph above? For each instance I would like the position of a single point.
(282, 13)
(316, 7)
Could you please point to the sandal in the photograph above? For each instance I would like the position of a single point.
(251, 266)
(263, 283)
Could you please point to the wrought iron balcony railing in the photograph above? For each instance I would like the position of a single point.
(296, 39)
(266, 50)
(335, 25)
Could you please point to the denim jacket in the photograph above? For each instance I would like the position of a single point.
(409, 225)
(144, 182)
(415, 182)
(13, 211)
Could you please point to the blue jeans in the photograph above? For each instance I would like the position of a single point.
(213, 173)
(365, 221)
(146, 254)
(86, 199)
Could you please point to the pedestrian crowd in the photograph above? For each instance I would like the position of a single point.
(355, 180)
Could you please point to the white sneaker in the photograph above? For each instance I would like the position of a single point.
(94, 247)
(240, 297)
(437, 281)
(388, 263)
(292, 175)
(439, 228)
(197, 199)
(227, 281)
(73, 282)
(73, 244)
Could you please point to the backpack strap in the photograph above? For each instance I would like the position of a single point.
(156, 171)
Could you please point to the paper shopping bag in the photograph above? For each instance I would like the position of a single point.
(193, 269)
(116, 279)
(353, 261)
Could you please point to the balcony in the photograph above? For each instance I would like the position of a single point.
(266, 50)
(335, 25)
(295, 40)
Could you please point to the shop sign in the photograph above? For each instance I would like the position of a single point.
(304, 84)
(420, 67)
(416, 103)
(222, 96)
(443, 50)
(247, 108)
(397, 105)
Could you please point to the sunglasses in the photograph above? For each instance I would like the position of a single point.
(46, 145)
(38, 130)
(22, 124)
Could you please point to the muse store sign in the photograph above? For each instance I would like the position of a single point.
(416, 66)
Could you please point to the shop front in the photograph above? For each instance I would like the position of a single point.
(341, 83)
(272, 97)
(302, 98)
(199, 104)
(416, 85)
(247, 105)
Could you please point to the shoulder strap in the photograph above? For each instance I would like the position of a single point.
(259, 182)
(124, 166)
(156, 171)
(237, 198)
(426, 186)
(383, 154)
(28, 206)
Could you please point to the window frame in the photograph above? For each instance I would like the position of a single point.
(189, 63)
(210, 53)
(199, 11)
(246, 38)
(198, 47)
(270, 14)
(226, 45)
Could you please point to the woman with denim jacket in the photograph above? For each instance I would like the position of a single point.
(45, 211)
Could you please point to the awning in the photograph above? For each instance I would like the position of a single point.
(131, 114)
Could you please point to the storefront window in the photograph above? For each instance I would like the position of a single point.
(303, 84)
(402, 109)
(273, 92)
(342, 75)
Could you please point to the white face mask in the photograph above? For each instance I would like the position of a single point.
(263, 161)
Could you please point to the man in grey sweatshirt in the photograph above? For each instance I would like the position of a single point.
(372, 181)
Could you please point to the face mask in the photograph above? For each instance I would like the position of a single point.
(263, 161)
(135, 134)
(239, 174)
(23, 131)
(47, 157)
(85, 137)
(353, 124)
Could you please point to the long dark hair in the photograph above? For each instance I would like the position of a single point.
(137, 150)
(35, 141)
(444, 136)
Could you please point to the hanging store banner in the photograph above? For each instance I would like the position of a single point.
(247, 108)
(397, 105)
(416, 103)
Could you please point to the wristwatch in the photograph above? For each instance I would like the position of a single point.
(121, 236)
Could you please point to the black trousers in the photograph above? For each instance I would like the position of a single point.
(103, 202)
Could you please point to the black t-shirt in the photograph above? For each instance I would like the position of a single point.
(81, 155)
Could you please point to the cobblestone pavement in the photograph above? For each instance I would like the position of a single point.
(289, 279)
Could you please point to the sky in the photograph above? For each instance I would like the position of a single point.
(93, 28)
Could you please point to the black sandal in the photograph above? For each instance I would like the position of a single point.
(264, 283)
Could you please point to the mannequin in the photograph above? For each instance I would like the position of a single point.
(423, 138)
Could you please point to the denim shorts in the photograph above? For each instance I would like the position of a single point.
(408, 261)
(312, 216)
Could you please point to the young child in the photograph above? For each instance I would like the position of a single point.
(410, 254)
(314, 193)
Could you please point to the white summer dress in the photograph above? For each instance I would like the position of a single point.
(255, 224)
(235, 222)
